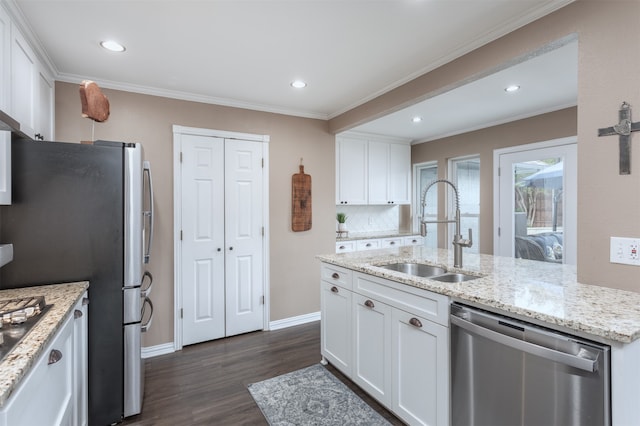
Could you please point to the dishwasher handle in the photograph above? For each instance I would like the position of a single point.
(531, 348)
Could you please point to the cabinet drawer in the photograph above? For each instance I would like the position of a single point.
(345, 246)
(48, 386)
(414, 240)
(367, 245)
(432, 306)
(391, 242)
(336, 275)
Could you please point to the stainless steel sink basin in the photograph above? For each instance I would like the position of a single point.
(416, 269)
(454, 277)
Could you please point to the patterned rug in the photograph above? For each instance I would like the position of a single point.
(312, 396)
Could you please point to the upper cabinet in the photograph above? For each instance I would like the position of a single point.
(5, 60)
(389, 173)
(351, 169)
(27, 84)
(372, 171)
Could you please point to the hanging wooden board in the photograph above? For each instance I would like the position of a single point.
(301, 201)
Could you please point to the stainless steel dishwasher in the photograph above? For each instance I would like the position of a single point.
(509, 372)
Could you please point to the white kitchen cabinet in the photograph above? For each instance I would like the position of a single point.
(399, 340)
(351, 170)
(367, 244)
(420, 362)
(414, 240)
(49, 393)
(5, 167)
(5, 60)
(345, 246)
(391, 242)
(80, 362)
(336, 317)
(44, 129)
(372, 347)
(389, 171)
(24, 72)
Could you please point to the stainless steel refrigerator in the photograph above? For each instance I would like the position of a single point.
(85, 212)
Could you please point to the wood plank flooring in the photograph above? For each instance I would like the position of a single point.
(206, 384)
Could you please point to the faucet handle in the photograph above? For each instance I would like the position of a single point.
(469, 242)
(423, 229)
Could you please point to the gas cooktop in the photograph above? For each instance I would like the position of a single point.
(17, 318)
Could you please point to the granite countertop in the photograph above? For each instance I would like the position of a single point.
(375, 234)
(544, 292)
(19, 361)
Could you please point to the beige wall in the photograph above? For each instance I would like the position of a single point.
(544, 127)
(149, 120)
(608, 73)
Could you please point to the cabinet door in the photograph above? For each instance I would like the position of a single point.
(367, 245)
(5, 61)
(414, 240)
(80, 354)
(399, 174)
(420, 367)
(378, 173)
(44, 107)
(335, 326)
(23, 83)
(345, 246)
(5, 167)
(351, 169)
(45, 395)
(372, 347)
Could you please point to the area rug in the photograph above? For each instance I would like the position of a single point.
(312, 396)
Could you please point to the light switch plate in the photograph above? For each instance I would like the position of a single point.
(624, 250)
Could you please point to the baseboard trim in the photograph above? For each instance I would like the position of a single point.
(167, 348)
(293, 321)
(157, 350)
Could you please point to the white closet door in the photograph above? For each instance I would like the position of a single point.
(244, 227)
(203, 274)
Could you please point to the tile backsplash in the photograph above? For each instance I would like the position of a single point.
(371, 218)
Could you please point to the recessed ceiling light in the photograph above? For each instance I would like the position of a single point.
(416, 119)
(298, 84)
(512, 88)
(112, 46)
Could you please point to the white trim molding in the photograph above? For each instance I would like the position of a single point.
(157, 350)
(293, 321)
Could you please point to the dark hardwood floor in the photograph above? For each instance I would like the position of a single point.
(206, 384)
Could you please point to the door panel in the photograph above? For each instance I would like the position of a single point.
(537, 203)
(243, 204)
(203, 234)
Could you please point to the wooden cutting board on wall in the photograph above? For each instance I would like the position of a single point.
(301, 201)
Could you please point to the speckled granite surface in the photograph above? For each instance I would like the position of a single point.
(542, 291)
(17, 363)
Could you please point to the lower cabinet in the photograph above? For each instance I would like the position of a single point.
(420, 367)
(372, 347)
(391, 340)
(48, 395)
(335, 326)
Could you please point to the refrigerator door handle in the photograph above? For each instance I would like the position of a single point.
(146, 291)
(145, 326)
(148, 214)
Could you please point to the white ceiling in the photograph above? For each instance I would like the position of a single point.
(548, 82)
(246, 52)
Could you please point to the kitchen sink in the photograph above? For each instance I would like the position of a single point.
(453, 277)
(416, 269)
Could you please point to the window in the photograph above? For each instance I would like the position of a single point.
(426, 173)
(465, 174)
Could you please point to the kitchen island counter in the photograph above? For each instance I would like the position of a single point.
(17, 363)
(540, 292)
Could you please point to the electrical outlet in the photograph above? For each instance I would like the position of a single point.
(624, 250)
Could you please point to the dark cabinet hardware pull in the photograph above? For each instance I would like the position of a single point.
(85, 301)
(369, 304)
(54, 356)
(342, 247)
(77, 314)
(392, 243)
(368, 244)
(334, 289)
(415, 322)
(335, 276)
(230, 248)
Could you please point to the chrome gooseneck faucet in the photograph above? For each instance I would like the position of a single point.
(458, 241)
